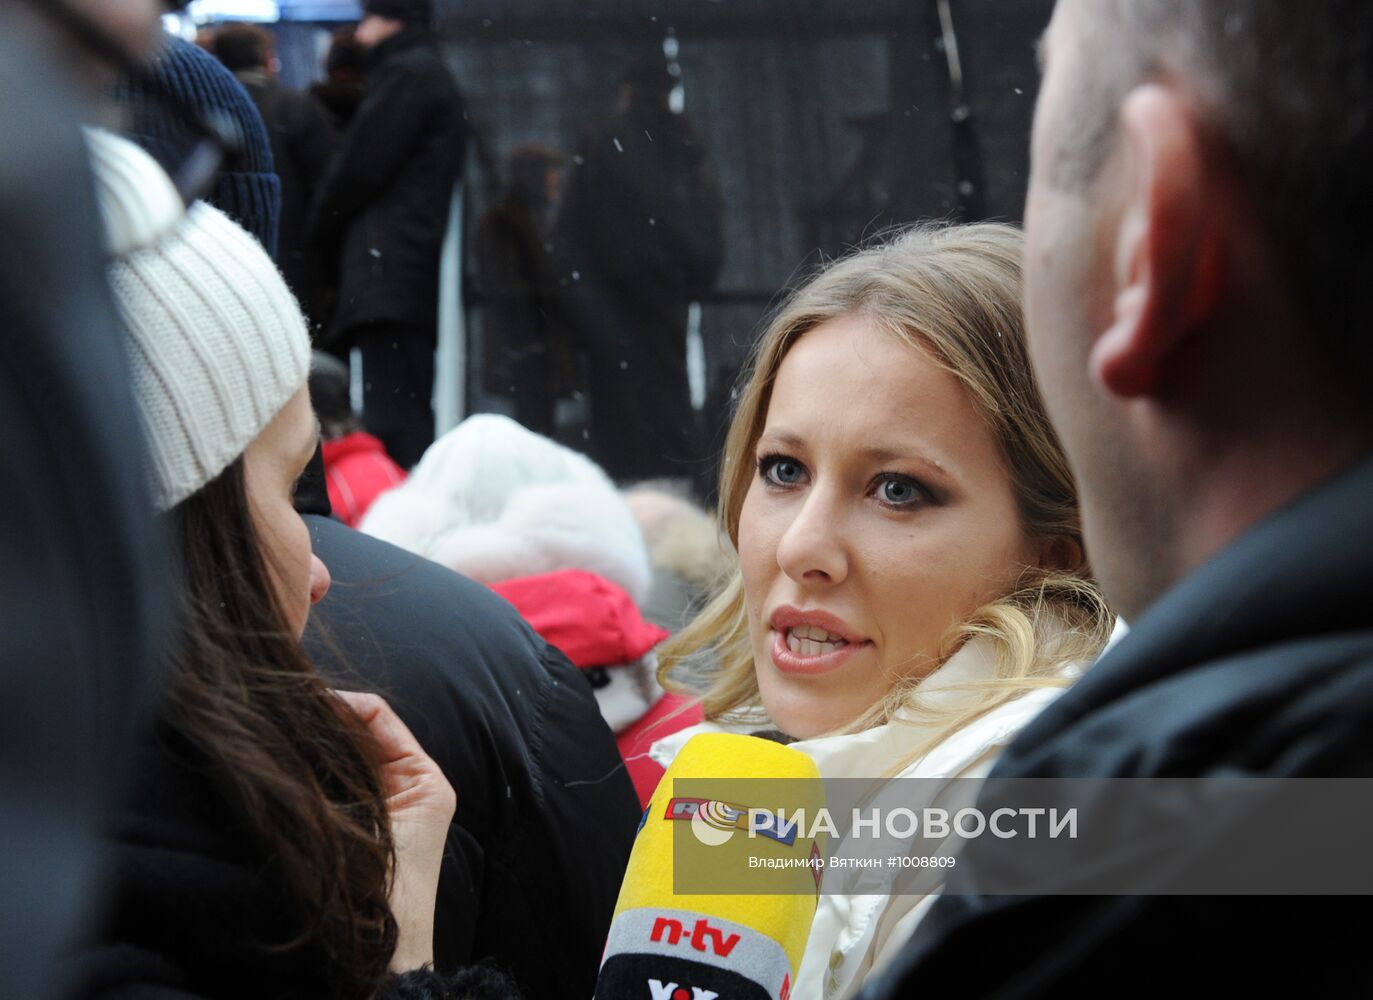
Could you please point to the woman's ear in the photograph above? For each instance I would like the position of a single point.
(1062, 553)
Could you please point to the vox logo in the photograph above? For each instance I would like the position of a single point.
(671, 991)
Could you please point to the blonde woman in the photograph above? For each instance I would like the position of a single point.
(911, 587)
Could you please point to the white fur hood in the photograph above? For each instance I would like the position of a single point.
(495, 501)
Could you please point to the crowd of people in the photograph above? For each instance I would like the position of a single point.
(282, 730)
(366, 175)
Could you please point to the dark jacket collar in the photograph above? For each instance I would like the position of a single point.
(1301, 572)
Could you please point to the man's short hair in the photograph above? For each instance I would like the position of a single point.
(243, 46)
(1287, 90)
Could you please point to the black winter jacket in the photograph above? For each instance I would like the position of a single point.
(546, 813)
(382, 208)
(196, 912)
(301, 137)
(1259, 664)
(83, 602)
(544, 824)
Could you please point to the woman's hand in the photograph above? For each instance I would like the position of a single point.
(420, 802)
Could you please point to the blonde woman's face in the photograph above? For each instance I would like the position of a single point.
(880, 515)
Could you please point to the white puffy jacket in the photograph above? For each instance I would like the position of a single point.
(854, 936)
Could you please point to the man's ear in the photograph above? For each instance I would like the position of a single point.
(1167, 264)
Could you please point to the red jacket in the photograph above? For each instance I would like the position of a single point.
(357, 470)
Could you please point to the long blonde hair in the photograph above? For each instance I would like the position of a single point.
(952, 292)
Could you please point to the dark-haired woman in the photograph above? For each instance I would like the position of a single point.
(280, 840)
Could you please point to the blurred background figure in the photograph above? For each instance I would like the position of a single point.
(546, 529)
(344, 74)
(525, 363)
(301, 137)
(83, 604)
(638, 238)
(689, 555)
(356, 467)
(383, 210)
(186, 100)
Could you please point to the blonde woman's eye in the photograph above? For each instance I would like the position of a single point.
(779, 470)
(900, 491)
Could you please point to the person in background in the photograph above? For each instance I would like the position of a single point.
(504, 714)
(356, 467)
(1199, 276)
(493, 500)
(278, 838)
(83, 575)
(523, 363)
(341, 90)
(382, 212)
(911, 588)
(301, 138)
(186, 85)
(639, 236)
(547, 530)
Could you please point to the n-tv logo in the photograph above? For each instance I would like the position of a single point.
(701, 933)
(660, 990)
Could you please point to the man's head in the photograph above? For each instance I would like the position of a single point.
(1199, 265)
(646, 84)
(245, 46)
(94, 39)
(383, 18)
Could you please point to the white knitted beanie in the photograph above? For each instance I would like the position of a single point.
(137, 200)
(217, 345)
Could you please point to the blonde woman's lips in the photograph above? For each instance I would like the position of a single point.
(808, 654)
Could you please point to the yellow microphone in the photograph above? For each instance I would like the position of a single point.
(721, 887)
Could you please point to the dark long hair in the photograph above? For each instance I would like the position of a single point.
(303, 775)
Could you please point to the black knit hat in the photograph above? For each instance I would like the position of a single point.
(247, 189)
(409, 11)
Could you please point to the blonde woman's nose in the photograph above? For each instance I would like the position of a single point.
(811, 549)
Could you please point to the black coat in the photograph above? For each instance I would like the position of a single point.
(195, 911)
(546, 813)
(302, 137)
(382, 209)
(639, 236)
(1259, 663)
(522, 356)
(82, 580)
(544, 824)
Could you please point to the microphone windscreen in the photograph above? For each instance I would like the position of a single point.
(719, 894)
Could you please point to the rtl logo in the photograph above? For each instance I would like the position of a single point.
(671, 991)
